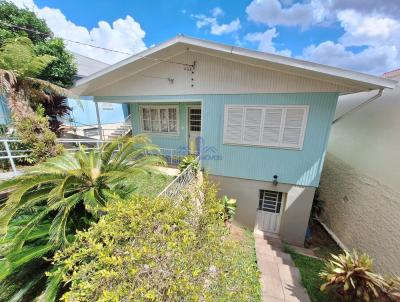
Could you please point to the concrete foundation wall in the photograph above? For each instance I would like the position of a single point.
(362, 212)
(297, 200)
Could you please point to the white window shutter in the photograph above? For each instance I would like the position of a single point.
(272, 126)
(252, 125)
(294, 127)
(233, 125)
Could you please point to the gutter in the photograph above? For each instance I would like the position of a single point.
(371, 99)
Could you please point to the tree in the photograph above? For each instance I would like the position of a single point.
(60, 70)
(19, 66)
(54, 199)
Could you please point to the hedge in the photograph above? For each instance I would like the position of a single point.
(150, 250)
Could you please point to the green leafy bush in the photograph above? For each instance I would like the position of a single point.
(152, 250)
(51, 201)
(229, 208)
(350, 276)
(188, 160)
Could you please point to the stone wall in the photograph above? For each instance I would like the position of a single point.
(362, 212)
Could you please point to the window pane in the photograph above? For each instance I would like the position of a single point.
(172, 126)
(155, 126)
(146, 125)
(164, 125)
(154, 115)
(164, 114)
(172, 113)
(146, 113)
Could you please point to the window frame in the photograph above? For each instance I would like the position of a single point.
(158, 107)
(282, 126)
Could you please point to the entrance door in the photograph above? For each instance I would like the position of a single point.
(194, 126)
(269, 211)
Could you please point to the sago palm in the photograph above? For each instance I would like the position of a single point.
(51, 201)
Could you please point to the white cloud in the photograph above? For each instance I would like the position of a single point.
(125, 35)
(374, 59)
(212, 23)
(272, 13)
(368, 29)
(378, 34)
(265, 43)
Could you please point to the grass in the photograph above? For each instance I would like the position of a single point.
(309, 269)
(245, 260)
(152, 184)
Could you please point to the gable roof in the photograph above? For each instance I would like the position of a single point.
(87, 66)
(164, 51)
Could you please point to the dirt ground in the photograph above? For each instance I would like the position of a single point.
(321, 243)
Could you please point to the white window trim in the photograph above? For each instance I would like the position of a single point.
(282, 146)
(160, 107)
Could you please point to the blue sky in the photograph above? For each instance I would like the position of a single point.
(342, 33)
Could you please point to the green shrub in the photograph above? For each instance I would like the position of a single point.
(188, 160)
(229, 208)
(47, 204)
(351, 276)
(152, 250)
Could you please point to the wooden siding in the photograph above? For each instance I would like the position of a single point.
(298, 167)
(213, 75)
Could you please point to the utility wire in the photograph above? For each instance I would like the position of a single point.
(95, 46)
(48, 35)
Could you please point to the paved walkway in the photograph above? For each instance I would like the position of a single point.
(280, 279)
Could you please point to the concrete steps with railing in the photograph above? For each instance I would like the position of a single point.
(122, 130)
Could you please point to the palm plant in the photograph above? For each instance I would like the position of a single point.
(51, 201)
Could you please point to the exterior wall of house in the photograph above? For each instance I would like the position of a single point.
(299, 167)
(296, 213)
(361, 178)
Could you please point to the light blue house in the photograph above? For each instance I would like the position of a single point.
(259, 121)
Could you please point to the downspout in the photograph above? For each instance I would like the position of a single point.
(371, 99)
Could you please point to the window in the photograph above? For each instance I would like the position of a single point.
(107, 106)
(270, 201)
(270, 126)
(195, 119)
(159, 119)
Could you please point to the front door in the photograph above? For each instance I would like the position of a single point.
(269, 211)
(194, 126)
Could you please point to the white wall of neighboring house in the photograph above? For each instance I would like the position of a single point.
(360, 183)
(113, 116)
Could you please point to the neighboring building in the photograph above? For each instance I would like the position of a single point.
(83, 117)
(361, 177)
(263, 120)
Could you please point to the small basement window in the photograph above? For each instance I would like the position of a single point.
(270, 201)
(159, 119)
